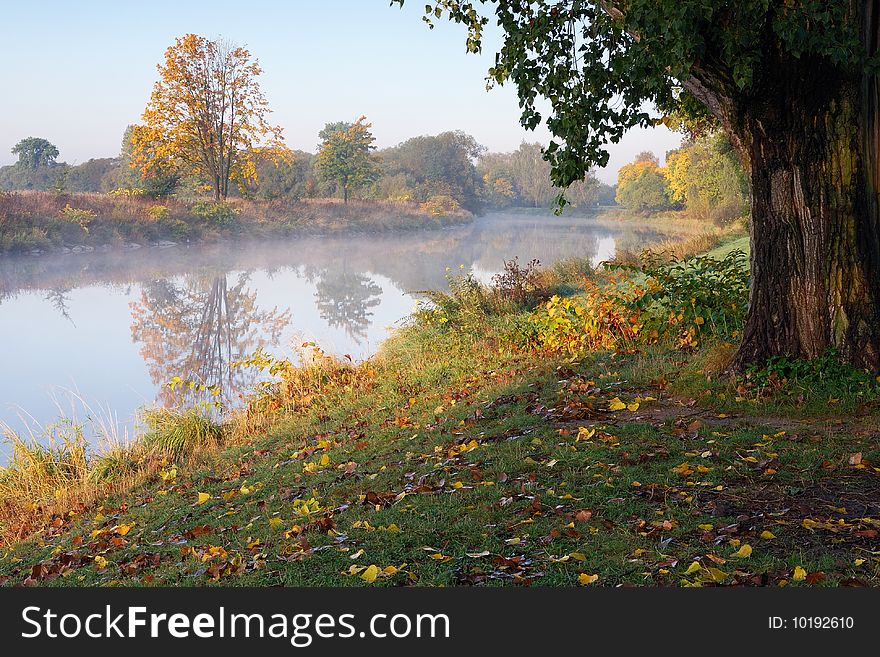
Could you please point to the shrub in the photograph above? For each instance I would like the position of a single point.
(440, 205)
(594, 321)
(220, 214)
(77, 216)
(465, 306)
(521, 285)
(174, 228)
(684, 299)
(158, 212)
(126, 192)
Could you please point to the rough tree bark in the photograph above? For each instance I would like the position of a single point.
(809, 134)
(815, 235)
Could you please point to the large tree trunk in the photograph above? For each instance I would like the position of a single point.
(810, 137)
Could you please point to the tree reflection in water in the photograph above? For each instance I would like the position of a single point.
(196, 328)
(345, 300)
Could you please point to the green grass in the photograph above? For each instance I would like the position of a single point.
(525, 501)
(740, 243)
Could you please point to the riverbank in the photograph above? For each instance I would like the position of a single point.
(42, 222)
(501, 438)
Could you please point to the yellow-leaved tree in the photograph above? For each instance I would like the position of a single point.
(206, 115)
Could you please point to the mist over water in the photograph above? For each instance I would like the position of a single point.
(113, 327)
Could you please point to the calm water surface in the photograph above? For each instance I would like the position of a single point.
(99, 334)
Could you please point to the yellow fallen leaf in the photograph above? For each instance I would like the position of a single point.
(799, 574)
(583, 578)
(389, 570)
(122, 530)
(100, 562)
(357, 554)
(744, 551)
(203, 497)
(325, 460)
(634, 406)
(768, 535)
(370, 574)
(707, 527)
(694, 567)
(578, 556)
(616, 405)
(275, 522)
(585, 434)
(859, 562)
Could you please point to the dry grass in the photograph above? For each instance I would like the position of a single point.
(46, 221)
(53, 472)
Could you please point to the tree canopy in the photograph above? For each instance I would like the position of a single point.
(345, 156)
(641, 185)
(436, 165)
(35, 152)
(205, 115)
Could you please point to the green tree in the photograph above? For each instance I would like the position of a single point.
(346, 157)
(436, 165)
(35, 152)
(281, 173)
(92, 175)
(795, 87)
(531, 175)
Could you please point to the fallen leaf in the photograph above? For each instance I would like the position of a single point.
(744, 552)
(616, 405)
(370, 574)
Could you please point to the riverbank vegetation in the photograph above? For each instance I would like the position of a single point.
(35, 222)
(559, 426)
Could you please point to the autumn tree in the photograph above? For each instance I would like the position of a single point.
(206, 114)
(793, 85)
(345, 156)
(706, 177)
(641, 185)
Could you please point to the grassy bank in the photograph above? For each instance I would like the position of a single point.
(33, 222)
(507, 436)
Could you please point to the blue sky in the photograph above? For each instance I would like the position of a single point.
(78, 72)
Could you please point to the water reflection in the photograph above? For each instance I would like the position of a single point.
(345, 300)
(118, 325)
(196, 328)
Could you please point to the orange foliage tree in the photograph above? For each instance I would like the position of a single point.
(206, 114)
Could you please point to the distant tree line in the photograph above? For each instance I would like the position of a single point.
(704, 178)
(450, 170)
